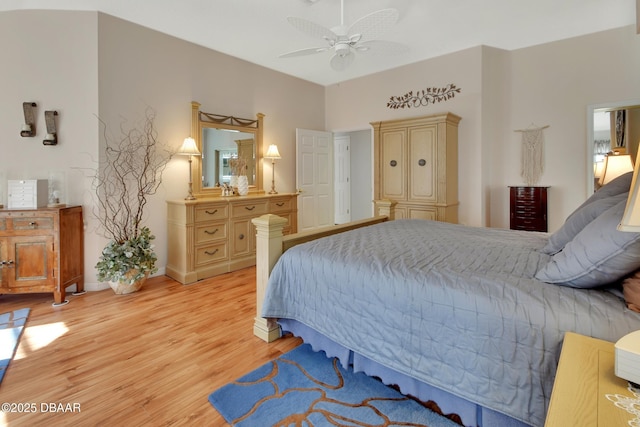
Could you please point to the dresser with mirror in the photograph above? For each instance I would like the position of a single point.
(213, 233)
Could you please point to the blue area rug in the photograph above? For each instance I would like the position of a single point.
(11, 326)
(305, 388)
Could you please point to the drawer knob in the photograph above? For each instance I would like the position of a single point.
(211, 253)
(241, 236)
(212, 212)
(249, 208)
(422, 162)
(211, 232)
(393, 163)
(33, 223)
(280, 204)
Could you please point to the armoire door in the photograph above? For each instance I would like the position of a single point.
(393, 160)
(422, 172)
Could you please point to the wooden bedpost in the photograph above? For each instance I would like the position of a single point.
(268, 250)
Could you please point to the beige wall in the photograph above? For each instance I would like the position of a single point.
(87, 65)
(101, 66)
(550, 84)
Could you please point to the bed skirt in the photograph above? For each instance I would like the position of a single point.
(471, 413)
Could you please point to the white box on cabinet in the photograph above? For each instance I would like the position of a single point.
(27, 193)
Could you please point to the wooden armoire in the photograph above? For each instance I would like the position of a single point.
(416, 166)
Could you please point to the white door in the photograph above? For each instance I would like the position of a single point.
(314, 175)
(342, 178)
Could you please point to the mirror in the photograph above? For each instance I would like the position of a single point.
(221, 139)
(603, 137)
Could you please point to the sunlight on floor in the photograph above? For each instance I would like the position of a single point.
(37, 337)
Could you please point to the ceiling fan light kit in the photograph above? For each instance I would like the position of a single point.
(361, 36)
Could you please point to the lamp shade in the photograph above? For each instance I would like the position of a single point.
(614, 166)
(189, 147)
(272, 152)
(631, 217)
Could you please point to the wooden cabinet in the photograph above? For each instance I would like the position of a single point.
(584, 379)
(207, 237)
(528, 208)
(42, 250)
(416, 166)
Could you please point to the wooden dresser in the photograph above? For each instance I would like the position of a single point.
(211, 236)
(584, 378)
(528, 208)
(416, 166)
(42, 250)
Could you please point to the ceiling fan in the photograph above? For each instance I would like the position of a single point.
(344, 40)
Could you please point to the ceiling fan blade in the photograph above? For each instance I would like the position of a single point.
(303, 52)
(341, 62)
(312, 29)
(373, 25)
(381, 47)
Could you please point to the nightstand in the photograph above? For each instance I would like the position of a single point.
(585, 376)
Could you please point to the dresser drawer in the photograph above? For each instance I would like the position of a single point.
(211, 232)
(211, 253)
(212, 212)
(33, 223)
(252, 209)
(280, 205)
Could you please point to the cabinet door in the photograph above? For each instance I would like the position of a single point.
(393, 168)
(421, 163)
(242, 241)
(33, 260)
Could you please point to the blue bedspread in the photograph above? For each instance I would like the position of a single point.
(455, 307)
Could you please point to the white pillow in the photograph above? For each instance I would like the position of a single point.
(598, 255)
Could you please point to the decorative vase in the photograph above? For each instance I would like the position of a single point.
(233, 181)
(243, 185)
(126, 285)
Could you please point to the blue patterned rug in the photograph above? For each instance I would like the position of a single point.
(11, 326)
(305, 388)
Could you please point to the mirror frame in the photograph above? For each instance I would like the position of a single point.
(201, 120)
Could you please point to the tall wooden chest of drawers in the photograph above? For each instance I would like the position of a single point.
(528, 208)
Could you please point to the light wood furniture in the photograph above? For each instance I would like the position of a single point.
(42, 250)
(416, 166)
(272, 243)
(248, 148)
(584, 377)
(528, 208)
(207, 237)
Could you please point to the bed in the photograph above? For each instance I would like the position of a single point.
(472, 318)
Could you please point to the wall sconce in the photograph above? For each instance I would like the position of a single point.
(29, 126)
(52, 137)
(190, 149)
(273, 154)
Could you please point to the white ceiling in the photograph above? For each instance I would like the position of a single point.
(257, 30)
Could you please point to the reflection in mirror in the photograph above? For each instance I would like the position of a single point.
(225, 141)
(613, 128)
(219, 146)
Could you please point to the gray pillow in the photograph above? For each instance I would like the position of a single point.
(621, 184)
(598, 255)
(578, 220)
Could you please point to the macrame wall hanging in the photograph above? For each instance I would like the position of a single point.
(532, 158)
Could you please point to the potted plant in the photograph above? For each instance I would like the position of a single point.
(129, 172)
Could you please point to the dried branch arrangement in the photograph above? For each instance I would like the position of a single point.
(238, 166)
(130, 170)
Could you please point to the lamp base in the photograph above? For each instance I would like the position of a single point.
(190, 197)
(273, 192)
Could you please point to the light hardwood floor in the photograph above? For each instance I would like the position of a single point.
(146, 359)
